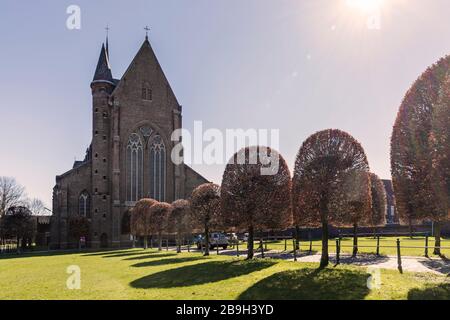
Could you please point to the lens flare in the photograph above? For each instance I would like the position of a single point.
(366, 6)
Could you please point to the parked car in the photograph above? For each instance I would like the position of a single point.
(244, 237)
(233, 238)
(216, 239)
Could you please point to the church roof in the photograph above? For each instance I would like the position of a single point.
(103, 70)
(145, 57)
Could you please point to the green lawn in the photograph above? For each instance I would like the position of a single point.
(367, 245)
(148, 274)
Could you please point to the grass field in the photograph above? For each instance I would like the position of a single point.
(149, 274)
(368, 245)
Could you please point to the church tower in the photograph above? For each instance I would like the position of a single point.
(102, 87)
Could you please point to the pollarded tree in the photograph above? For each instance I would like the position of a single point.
(351, 202)
(440, 146)
(256, 188)
(412, 149)
(205, 209)
(322, 161)
(157, 220)
(139, 223)
(379, 205)
(180, 221)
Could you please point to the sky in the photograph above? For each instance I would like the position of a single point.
(299, 66)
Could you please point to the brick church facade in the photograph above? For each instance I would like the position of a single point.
(129, 156)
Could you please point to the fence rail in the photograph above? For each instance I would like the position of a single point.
(8, 246)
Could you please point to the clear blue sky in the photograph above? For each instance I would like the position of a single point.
(295, 65)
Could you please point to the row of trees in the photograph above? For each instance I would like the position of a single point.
(420, 150)
(150, 217)
(331, 185)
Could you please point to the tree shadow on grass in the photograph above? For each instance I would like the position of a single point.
(162, 262)
(441, 266)
(310, 284)
(269, 253)
(111, 252)
(431, 292)
(130, 254)
(153, 255)
(31, 254)
(200, 273)
(361, 259)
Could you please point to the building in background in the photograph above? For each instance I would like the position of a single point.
(391, 213)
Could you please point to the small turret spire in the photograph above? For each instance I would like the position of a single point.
(103, 70)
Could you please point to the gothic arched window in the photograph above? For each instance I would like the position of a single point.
(157, 169)
(134, 163)
(84, 204)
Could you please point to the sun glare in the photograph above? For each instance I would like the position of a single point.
(366, 6)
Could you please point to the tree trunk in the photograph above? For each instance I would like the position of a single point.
(410, 228)
(206, 241)
(261, 244)
(437, 238)
(324, 259)
(355, 240)
(145, 242)
(178, 243)
(160, 241)
(250, 243)
(297, 237)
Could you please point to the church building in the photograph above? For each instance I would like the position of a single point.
(129, 157)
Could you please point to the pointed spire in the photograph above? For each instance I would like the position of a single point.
(103, 70)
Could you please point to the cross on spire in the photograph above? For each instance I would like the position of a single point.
(107, 35)
(147, 29)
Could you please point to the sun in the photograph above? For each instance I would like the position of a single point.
(366, 6)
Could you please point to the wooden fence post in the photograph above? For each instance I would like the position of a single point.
(285, 244)
(295, 249)
(426, 246)
(378, 245)
(261, 245)
(338, 249)
(399, 257)
(237, 247)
